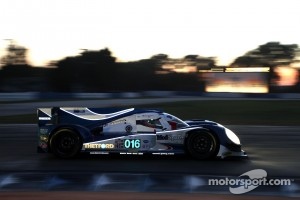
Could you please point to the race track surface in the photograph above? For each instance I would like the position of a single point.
(272, 148)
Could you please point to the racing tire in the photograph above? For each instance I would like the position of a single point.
(202, 145)
(65, 143)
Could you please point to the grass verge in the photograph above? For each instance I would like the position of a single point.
(264, 112)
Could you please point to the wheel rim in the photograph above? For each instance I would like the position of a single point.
(66, 144)
(203, 144)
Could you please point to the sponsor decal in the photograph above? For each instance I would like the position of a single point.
(120, 121)
(128, 128)
(162, 137)
(98, 146)
(131, 153)
(176, 137)
(170, 137)
(44, 138)
(163, 153)
(99, 152)
(43, 145)
(44, 118)
(119, 143)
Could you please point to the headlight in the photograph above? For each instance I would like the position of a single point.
(232, 136)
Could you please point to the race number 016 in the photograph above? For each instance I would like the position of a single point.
(132, 143)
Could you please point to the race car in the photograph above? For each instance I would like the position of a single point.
(68, 131)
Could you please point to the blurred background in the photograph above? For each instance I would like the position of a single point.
(116, 46)
(196, 54)
(270, 68)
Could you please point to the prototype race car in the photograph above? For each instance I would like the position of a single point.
(66, 132)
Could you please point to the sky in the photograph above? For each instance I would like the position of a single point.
(139, 29)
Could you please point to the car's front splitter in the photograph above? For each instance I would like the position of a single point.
(224, 152)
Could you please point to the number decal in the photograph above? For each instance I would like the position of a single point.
(137, 144)
(132, 143)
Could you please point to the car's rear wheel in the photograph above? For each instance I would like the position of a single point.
(202, 145)
(65, 143)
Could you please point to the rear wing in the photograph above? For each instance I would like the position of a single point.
(57, 115)
(47, 116)
(79, 115)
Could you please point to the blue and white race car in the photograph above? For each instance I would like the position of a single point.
(68, 131)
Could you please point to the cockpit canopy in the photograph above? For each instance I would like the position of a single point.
(174, 122)
(159, 122)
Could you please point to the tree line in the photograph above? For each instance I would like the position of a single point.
(98, 71)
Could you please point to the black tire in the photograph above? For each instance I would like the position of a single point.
(202, 145)
(65, 143)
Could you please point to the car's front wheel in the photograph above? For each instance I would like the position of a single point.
(65, 143)
(202, 145)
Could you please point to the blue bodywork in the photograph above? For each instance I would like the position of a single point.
(91, 130)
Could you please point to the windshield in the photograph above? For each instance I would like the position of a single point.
(172, 118)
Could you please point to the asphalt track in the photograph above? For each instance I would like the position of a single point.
(272, 148)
